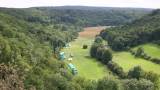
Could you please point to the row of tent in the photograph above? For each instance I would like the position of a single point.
(73, 69)
(70, 65)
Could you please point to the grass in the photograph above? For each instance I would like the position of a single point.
(90, 68)
(128, 61)
(151, 49)
(87, 67)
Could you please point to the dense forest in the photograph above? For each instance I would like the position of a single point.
(146, 29)
(31, 38)
(78, 15)
(94, 16)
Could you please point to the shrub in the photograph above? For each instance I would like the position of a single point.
(147, 57)
(93, 50)
(139, 52)
(136, 72)
(115, 68)
(153, 77)
(98, 39)
(106, 56)
(85, 46)
(108, 83)
(156, 60)
(99, 53)
(134, 84)
(132, 52)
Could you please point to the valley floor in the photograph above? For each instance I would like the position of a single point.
(90, 68)
(87, 67)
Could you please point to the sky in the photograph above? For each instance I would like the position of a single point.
(101, 3)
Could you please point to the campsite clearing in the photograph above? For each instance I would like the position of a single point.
(87, 67)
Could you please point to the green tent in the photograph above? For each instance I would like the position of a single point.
(73, 68)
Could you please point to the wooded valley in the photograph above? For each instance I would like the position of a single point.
(31, 40)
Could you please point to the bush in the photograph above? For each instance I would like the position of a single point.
(147, 57)
(100, 52)
(106, 56)
(134, 84)
(139, 52)
(153, 77)
(85, 46)
(98, 39)
(115, 68)
(93, 50)
(136, 72)
(108, 83)
(132, 52)
(156, 60)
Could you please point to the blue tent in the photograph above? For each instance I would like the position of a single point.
(62, 56)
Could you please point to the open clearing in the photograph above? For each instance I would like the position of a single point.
(151, 49)
(128, 61)
(87, 67)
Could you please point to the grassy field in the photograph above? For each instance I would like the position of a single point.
(91, 69)
(151, 49)
(87, 67)
(128, 61)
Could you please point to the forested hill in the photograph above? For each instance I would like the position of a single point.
(31, 38)
(93, 16)
(28, 46)
(146, 29)
(80, 15)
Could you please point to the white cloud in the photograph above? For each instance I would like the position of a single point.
(111, 3)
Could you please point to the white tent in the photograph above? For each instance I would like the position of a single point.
(70, 59)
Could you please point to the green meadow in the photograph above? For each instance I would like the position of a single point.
(90, 68)
(150, 49)
(87, 67)
(128, 61)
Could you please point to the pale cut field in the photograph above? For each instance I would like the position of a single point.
(91, 32)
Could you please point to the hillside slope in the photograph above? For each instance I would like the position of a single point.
(79, 15)
(146, 29)
(30, 46)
